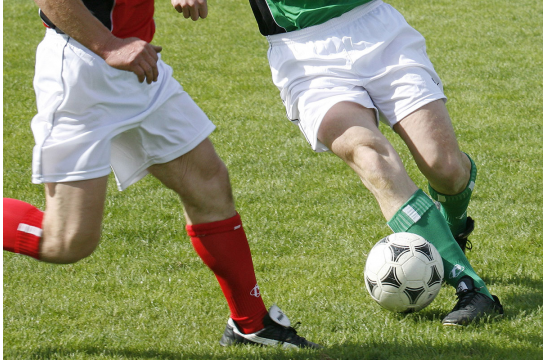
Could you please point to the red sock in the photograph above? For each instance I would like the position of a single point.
(223, 247)
(22, 228)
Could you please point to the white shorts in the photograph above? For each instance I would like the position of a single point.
(369, 56)
(92, 116)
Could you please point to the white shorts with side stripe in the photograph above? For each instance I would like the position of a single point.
(369, 56)
(92, 117)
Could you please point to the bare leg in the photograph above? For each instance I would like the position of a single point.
(201, 180)
(72, 219)
(430, 137)
(350, 131)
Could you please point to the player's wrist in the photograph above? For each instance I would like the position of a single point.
(108, 46)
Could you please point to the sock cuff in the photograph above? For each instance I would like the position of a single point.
(29, 233)
(442, 198)
(251, 323)
(412, 211)
(216, 227)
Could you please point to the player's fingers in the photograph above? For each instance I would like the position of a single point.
(186, 12)
(149, 71)
(155, 72)
(155, 51)
(152, 53)
(143, 68)
(203, 12)
(195, 14)
(177, 7)
(148, 62)
(139, 73)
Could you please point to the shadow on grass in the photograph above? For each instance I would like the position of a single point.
(520, 302)
(371, 351)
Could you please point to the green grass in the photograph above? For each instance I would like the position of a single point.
(144, 294)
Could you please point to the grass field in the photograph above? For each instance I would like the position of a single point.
(144, 294)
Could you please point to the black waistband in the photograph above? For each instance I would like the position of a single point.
(49, 23)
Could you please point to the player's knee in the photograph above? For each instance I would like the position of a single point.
(450, 174)
(216, 172)
(215, 182)
(68, 249)
(198, 174)
(354, 147)
(374, 160)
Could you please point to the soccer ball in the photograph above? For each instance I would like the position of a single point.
(403, 272)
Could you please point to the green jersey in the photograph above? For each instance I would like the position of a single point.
(279, 16)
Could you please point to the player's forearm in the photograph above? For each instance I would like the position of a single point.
(75, 20)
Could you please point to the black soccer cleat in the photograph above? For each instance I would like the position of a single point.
(462, 238)
(472, 305)
(277, 332)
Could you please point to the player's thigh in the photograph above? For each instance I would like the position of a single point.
(347, 126)
(72, 219)
(351, 132)
(201, 180)
(429, 135)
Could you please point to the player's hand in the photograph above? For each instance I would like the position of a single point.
(193, 9)
(134, 55)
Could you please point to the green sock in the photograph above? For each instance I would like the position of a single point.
(420, 216)
(454, 207)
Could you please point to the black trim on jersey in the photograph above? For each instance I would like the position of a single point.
(264, 18)
(101, 9)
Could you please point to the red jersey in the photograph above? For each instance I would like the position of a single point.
(124, 18)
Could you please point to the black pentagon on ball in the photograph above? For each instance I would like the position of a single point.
(384, 240)
(435, 276)
(425, 250)
(397, 251)
(414, 294)
(391, 278)
(372, 284)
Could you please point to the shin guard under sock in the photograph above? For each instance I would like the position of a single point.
(22, 228)
(223, 247)
(454, 207)
(420, 216)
